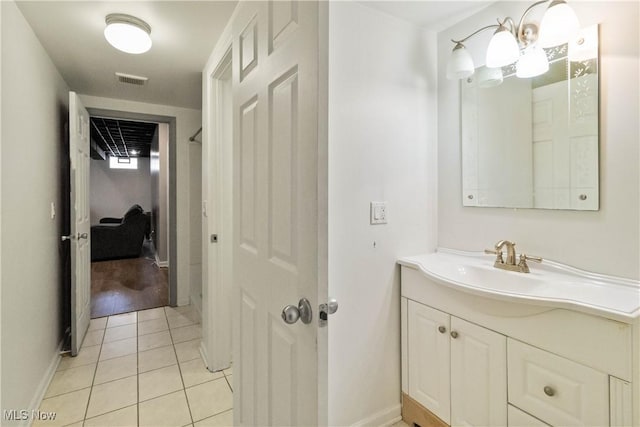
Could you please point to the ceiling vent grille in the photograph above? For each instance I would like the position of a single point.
(131, 79)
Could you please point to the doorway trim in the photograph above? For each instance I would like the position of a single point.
(173, 207)
(216, 347)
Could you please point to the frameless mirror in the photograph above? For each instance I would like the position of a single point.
(533, 143)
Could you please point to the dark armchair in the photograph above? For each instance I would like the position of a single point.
(119, 237)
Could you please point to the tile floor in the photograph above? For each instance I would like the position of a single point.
(140, 369)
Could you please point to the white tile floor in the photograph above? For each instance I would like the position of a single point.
(140, 369)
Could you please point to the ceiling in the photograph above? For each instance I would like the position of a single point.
(184, 33)
(435, 15)
(118, 138)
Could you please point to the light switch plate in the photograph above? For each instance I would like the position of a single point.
(378, 213)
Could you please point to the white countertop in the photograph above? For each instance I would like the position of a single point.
(549, 284)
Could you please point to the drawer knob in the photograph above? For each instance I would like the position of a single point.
(454, 334)
(549, 391)
(442, 329)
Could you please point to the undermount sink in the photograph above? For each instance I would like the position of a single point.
(550, 283)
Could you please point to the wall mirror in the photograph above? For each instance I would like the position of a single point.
(533, 142)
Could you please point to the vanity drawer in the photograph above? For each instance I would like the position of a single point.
(554, 389)
(518, 418)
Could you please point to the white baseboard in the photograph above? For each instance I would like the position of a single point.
(34, 405)
(161, 264)
(386, 417)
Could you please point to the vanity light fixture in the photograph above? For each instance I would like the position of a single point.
(127, 33)
(522, 44)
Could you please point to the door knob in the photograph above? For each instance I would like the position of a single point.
(454, 334)
(291, 313)
(83, 236)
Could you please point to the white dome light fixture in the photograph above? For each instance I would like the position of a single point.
(128, 33)
(559, 25)
(503, 48)
(460, 65)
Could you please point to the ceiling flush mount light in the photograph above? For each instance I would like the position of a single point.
(127, 33)
(522, 43)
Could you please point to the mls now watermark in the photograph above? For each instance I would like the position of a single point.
(24, 415)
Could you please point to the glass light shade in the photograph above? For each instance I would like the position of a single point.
(532, 63)
(503, 49)
(489, 77)
(128, 34)
(559, 25)
(460, 64)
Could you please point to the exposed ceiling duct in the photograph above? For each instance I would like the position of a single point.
(122, 138)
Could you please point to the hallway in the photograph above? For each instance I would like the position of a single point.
(141, 368)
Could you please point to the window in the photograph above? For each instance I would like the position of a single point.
(123, 162)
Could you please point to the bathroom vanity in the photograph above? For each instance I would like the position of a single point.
(488, 347)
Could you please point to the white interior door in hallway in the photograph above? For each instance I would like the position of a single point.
(280, 214)
(80, 221)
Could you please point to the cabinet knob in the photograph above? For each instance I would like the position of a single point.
(454, 334)
(549, 391)
(442, 329)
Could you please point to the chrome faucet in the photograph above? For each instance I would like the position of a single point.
(510, 263)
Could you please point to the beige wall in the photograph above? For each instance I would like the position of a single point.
(606, 241)
(382, 138)
(34, 113)
(187, 122)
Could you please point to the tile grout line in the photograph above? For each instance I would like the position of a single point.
(184, 388)
(86, 410)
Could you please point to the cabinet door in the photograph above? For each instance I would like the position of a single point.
(478, 375)
(429, 356)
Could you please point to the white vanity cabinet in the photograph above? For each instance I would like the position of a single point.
(456, 369)
(478, 360)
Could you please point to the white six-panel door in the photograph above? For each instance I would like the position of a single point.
(277, 212)
(80, 222)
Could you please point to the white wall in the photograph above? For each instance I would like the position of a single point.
(187, 122)
(606, 241)
(382, 132)
(34, 112)
(114, 191)
(195, 223)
